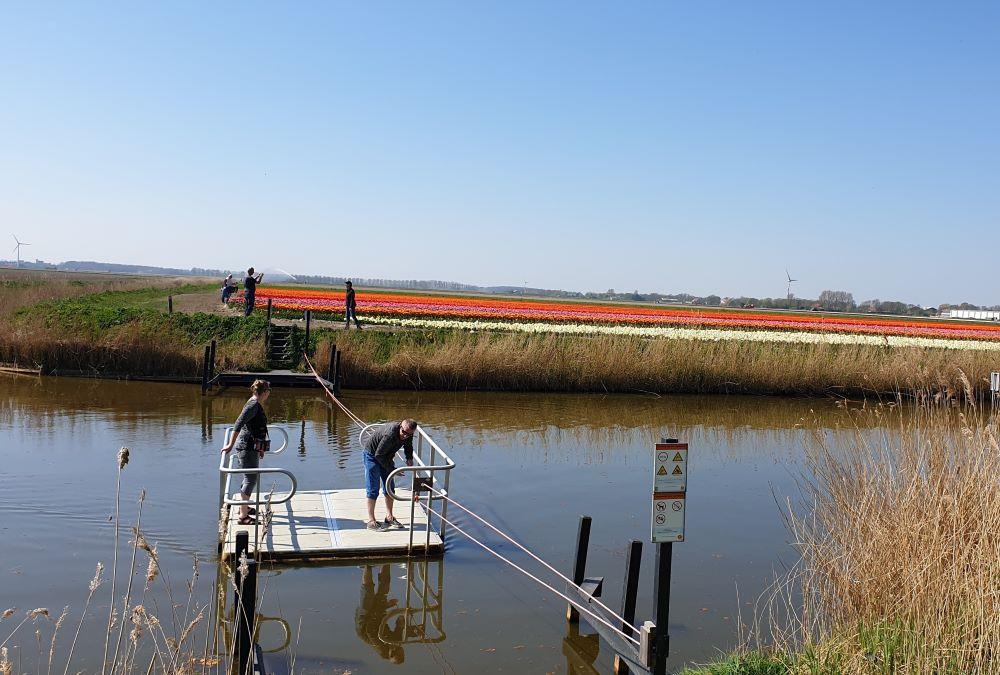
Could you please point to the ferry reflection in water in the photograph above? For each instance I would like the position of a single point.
(387, 622)
(400, 604)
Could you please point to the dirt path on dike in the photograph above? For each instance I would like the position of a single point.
(211, 303)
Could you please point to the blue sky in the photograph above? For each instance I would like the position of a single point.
(700, 147)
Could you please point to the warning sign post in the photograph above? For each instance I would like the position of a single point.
(670, 467)
(670, 473)
(668, 517)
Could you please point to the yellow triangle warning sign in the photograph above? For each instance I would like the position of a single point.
(662, 471)
(678, 458)
(677, 471)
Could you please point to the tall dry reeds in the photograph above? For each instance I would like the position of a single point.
(900, 568)
(522, 362)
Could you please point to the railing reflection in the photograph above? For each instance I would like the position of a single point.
(385, 624)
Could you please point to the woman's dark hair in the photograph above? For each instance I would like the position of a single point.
(250, 271)
(259, 387)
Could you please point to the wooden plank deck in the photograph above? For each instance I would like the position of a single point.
(277, 378)
(330, 524)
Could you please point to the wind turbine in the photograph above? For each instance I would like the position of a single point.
(17, 249)
(790, 282)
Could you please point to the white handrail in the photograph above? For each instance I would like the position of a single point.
(226, 472)
(428, 470)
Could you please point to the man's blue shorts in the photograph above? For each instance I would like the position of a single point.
(375, 475)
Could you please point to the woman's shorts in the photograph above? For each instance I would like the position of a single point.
(248, 458)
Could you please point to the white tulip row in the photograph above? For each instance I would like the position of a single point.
(707, 334)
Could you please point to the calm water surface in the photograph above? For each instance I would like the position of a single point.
(531, 463)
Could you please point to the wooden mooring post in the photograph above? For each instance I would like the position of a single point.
(170, 304)
(580, 563)
(650, 657)
(244, 604)
(337, 375)
(305, 348)
(330, 365)
(269, 311)
(661, 591)
(633, 561)
(205, 367)
(211, 363)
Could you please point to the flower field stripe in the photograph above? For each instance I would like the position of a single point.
(471, 308)
(704, 334)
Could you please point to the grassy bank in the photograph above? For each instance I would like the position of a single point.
(118, 327)
(526, 362)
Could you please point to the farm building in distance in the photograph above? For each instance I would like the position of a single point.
(980, 314)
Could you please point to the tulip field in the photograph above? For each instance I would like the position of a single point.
(426, 310)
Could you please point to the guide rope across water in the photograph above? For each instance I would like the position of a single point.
(442, 495)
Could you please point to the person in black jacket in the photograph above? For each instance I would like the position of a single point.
(350, 307)
(250, 290)
(381, 445)
(249, 434)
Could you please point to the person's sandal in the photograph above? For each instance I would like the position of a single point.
(393, 524)
(247, 520)
(374, 526)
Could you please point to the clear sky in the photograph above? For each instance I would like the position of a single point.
(664, 146)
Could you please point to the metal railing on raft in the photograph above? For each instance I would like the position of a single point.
(226, 473)
(422, 476)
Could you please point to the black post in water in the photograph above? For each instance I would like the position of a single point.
(170, 304)
(305, 349)
(633, 560)
(329, 366)
(338, 375)
(245, 604)
(211, 363)
(580, 565)
(204, 369)
(661, 590)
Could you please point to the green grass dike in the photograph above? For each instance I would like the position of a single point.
(126, 332)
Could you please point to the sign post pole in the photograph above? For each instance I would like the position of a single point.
(661, 589)
(670, 469)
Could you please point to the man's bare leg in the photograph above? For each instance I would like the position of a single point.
(388, 508)
(371, 511)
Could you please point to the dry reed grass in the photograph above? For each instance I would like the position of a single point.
(23, 288)
(900, 568)
(167, 653)
(513, 362)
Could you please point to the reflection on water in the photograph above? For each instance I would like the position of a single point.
(530, 463)
(386, 622)
(580, 651)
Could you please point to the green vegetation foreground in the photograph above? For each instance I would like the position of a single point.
(115, 326)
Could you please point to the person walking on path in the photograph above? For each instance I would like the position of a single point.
(351, 308)
(251, 442)
(250, 290)
(381, 446)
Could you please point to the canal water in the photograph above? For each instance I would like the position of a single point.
(531, 463)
